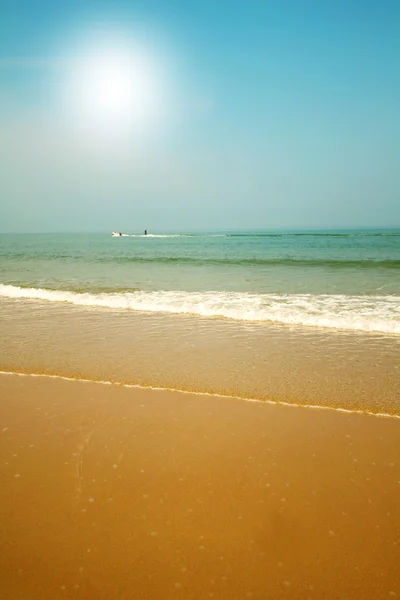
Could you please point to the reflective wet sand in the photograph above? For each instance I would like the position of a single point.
(110, 492)
(300, 365)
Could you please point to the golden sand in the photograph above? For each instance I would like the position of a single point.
(115, 493)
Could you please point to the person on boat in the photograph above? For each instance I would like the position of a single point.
(145, 232)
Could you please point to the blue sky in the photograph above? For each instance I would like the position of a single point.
(279, 115)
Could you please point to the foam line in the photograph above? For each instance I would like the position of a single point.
(335, 311)
(209, 394)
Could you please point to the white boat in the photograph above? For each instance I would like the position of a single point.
(116, 234)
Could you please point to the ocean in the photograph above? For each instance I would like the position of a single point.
(266, 313)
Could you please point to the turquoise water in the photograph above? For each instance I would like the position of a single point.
(335, 279)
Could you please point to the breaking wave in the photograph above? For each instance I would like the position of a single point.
(357, 313)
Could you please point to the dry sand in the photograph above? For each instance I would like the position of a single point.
(115, 493)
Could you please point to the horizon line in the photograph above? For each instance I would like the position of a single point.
(199, 231)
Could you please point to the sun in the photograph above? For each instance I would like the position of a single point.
(114, 90)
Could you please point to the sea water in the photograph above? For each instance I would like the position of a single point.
(339, 280)
(261, 314)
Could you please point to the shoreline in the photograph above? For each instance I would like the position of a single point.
(343, 371)
(110, 491)
(203, 393)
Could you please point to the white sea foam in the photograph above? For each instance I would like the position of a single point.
(358, 313)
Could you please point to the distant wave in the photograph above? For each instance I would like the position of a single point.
(212, 261)
(356, 313)
(317, 234)
(279, 262)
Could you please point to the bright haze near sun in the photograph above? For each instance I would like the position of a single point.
(115, 85)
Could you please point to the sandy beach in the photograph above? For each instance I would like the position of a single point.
(115, 492)
(199, 300)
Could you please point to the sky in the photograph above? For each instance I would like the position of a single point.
(185, 116)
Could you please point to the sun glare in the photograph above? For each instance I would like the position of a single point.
(115, 90)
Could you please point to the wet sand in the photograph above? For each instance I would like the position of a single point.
(301, 365)
(113, 492)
